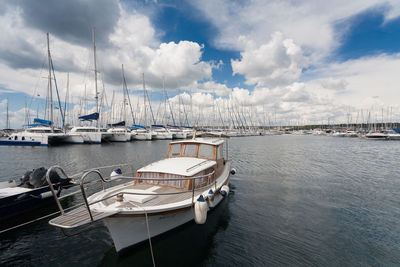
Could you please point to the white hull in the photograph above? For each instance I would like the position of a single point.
(120, 137)
(393, 136)
(142, 136)
(180, 135)
(91, 138)
(73, 139)
(38, 137)
(90, 134)
(129, 231)
(162, 136)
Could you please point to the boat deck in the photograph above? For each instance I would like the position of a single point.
(177, 195)
(78, 217)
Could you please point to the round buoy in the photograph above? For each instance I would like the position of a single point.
(224, 190)
(233, 171)
(200, 210)
(210, 195)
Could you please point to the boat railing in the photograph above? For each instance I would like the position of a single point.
(212, 174)
(103, 180)
(81, 182)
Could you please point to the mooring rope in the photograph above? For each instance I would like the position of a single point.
(148, 231)
(37, 219)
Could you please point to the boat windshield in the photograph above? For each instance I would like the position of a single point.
(206, 151)
(190, 150)
(175, 150)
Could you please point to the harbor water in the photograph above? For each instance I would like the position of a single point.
(295, 200)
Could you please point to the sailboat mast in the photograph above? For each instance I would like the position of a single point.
(123, 89)
(66, 99)
(7, 118)
(144, 101)
(95, 76)
(50, 88)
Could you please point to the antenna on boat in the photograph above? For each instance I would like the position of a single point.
(194, 132)
(49, 88)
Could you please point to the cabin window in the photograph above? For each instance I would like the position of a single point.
(206, 151)
(220, 152)
(173, 183)
(23, 137)
(190, 150)
(16, 138)
(175, 150)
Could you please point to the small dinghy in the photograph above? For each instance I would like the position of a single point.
(161, 196)
(30, 192)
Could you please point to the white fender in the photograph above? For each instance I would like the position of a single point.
(224, 190)
(45, 195)
(210, 195)
(200, 210)
(115, 173)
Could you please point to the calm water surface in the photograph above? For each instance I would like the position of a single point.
(296, 200)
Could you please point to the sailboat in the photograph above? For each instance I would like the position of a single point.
(119, 131)
(42, 132)
(91, 134)
(142, 132)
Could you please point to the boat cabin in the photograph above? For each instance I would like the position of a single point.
(201, 158)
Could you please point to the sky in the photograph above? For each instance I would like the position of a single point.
(282, 62)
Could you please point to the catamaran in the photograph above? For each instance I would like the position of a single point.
(163, 195)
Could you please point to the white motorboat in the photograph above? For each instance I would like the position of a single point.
(31, 191)
(393, 135)
(161, 196)
(376, 136)
(339, 134)
(350, 133)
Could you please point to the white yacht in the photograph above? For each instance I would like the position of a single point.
(376, 135)
(161, 196)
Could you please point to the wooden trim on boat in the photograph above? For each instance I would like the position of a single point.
(169, 212)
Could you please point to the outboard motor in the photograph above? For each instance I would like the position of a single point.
(38, 177)
(54, 177)
(25, 179)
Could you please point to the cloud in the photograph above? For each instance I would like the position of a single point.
(72, 20)
(278, 62)
(311, 24)
(129, 38)
(213, 87)
(180, 61)
(334, 84)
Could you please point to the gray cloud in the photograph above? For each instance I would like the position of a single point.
(72, 20)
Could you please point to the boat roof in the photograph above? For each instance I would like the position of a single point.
(207, 141)
(185, 166)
